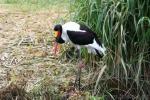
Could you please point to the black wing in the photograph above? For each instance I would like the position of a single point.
(80, 38)
(84, 27)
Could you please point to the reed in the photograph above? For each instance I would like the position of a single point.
(124, 27)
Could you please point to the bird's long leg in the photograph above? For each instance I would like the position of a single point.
(79, 53)
(78, 74)
(78, 79)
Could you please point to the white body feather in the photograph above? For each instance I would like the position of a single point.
(72, 26)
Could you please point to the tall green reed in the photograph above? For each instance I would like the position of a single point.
(124, 27)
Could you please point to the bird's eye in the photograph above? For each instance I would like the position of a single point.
(55, 33)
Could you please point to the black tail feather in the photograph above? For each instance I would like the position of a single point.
(99, 55)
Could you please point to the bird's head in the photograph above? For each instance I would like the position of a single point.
(57, 31)
(57, 35)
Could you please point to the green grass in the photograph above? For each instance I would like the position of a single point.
(33, 5)
(124, 27)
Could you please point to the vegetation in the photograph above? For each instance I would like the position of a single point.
(124, 27)
(34, 5)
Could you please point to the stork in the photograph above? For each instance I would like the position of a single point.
(80, 36)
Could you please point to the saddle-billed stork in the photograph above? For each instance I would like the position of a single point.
(80, 36)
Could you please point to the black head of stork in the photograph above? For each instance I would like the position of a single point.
(80, 36)
(58, 33)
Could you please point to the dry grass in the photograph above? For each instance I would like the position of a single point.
(26, 60)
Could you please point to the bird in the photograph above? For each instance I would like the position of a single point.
(80, 36)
